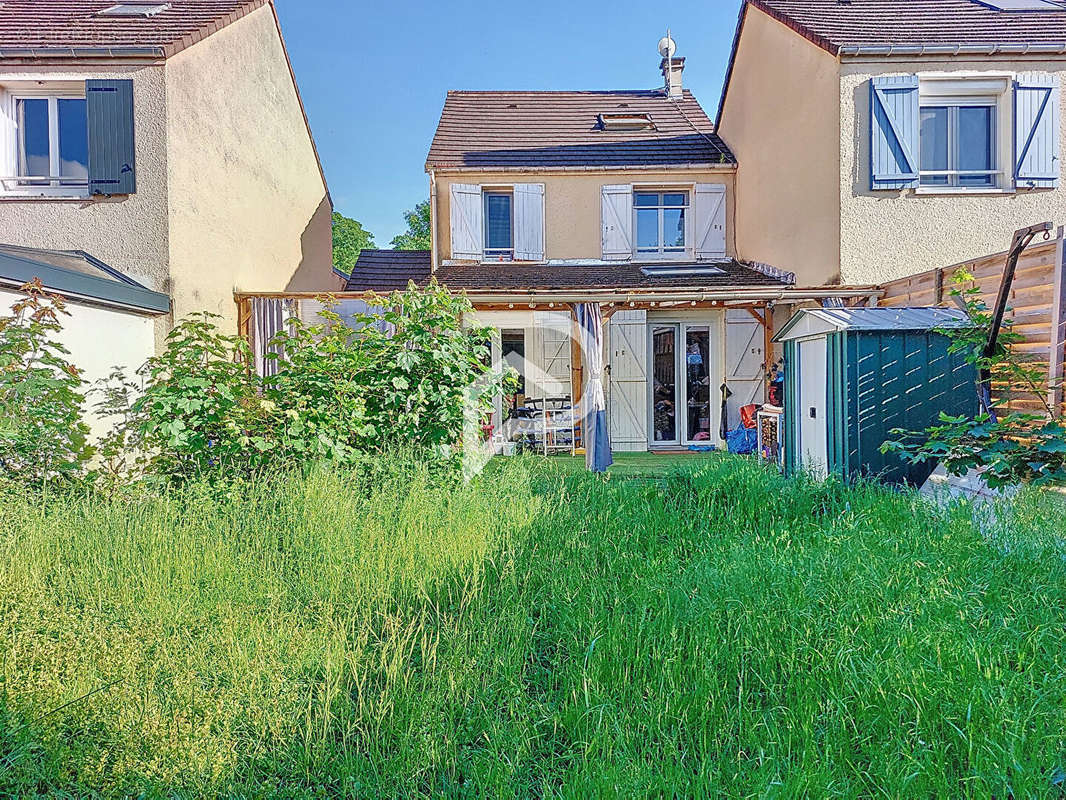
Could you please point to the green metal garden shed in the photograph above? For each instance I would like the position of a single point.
(852, 375)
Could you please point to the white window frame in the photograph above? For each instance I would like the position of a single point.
(953, 91)
(12, 184)
(499, 255)
(662, 253)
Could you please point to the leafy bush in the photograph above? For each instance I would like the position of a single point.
(412, 375)
(42, 435)
(1005, 449)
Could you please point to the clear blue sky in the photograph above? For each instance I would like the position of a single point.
(373, 73)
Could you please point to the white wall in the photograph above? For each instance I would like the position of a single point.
(99, 339)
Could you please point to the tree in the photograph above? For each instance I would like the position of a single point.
(349, 239)
(418, 236)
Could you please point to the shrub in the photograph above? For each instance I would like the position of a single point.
(42, 435)
(412, 376)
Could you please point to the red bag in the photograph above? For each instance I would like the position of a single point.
(747, 415)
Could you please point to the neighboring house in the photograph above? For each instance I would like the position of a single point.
(542, 200)
(880, 138)
(110, 321)
(168, 140)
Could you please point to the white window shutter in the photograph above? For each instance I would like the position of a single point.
(617, 215)
(8, 145)
(1036, 136)
(467, 222)
(529, 222)
(708, 208)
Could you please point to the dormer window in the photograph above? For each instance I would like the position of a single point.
(626, 122)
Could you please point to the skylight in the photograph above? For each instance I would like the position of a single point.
(1024, 5)
(134, 10)
(626, 122)
(672, 271)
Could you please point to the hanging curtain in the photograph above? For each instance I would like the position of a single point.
(593, 403)
(268, 319)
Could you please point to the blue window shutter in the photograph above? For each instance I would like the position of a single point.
(894, 132)
(109, 108)
(1036, 130)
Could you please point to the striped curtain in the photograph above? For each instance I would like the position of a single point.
(268, 319)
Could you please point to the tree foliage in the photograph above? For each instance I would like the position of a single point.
(418, 235)
(1006, 449)
(42, 435)
(349, 239)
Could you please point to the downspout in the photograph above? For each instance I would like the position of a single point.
(432, 222)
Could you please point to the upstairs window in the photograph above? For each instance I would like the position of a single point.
(957, 143)
(52, 145)
(499, 225)
(659, 219)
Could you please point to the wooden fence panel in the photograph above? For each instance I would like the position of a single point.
(1037, 307)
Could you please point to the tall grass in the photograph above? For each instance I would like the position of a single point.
(719, 632)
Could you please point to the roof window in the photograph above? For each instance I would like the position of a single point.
(626, 122)
(133, 10)
(670, 271)
(1023, 5)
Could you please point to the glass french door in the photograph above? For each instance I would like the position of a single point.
(680, 390)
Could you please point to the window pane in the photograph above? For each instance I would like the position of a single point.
(697, 377)
(645, 199)
(498, 221)
(32, 120)
(674, 199)
(73, 139)
(674, 228)
(934, 143)
(664, 387)
(648, 229)
(975, 144)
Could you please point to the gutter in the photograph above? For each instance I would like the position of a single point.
(987, 49)
(81, 52)
(459, 170)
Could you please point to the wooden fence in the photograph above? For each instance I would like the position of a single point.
(1037, 308)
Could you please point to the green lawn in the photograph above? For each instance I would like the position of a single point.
(715, 630)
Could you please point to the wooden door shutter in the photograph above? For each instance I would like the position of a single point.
(1036, 130)
(617, 217)
(745, 370)
(529, 222)
(627, 401)
(467, 222)
(708, 206)
(112, 162)
(894, 132)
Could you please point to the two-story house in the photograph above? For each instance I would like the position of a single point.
(541, 200)
(881, 138)
(161, 144)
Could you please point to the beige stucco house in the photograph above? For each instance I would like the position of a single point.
(165, 139)
(543, 202)
(881, 138)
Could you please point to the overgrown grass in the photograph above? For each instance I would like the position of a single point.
(723, 632)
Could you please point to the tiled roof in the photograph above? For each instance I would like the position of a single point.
(386, 270)
(65, 27)
(839, 26)
(561, 129)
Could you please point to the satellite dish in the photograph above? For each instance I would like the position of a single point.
(667, 47)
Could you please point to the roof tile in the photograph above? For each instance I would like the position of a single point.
(44, 25)
(560, 129)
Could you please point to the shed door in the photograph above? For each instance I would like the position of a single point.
(627, 406)
(744, 363)
(812, 428)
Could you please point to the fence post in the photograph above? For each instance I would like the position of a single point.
(1057, 348)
